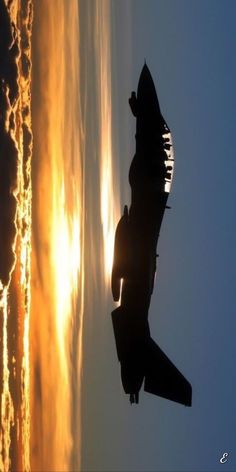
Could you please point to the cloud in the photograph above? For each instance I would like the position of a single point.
(15, 124)
(9, 92)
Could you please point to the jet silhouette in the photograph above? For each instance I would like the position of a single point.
(134, 264)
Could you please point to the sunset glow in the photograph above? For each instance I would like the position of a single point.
(7, 406)
(43, 286)
(57, 303)
(15, 297)
(110, 206)
(65, 262)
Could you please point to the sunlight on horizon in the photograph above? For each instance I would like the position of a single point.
(43, 291)
(58, 258)
(110, 198)
(59, 215)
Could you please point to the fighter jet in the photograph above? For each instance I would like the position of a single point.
(134, 263)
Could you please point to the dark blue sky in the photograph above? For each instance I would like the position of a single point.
(189, 48)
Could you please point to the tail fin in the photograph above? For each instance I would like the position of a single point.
(164, 379)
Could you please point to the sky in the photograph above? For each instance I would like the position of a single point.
(67, 139)
(188, 47)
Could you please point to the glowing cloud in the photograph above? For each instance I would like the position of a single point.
(110, 206)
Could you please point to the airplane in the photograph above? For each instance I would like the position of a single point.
(134, 261)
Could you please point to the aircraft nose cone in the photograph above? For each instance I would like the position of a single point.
(145, 72)
(146, 94)
(145, 79)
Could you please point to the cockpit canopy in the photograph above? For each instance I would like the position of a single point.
(169, 161)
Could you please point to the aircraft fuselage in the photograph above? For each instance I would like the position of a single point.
(137, 236)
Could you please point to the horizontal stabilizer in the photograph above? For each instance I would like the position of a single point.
(164, 379)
